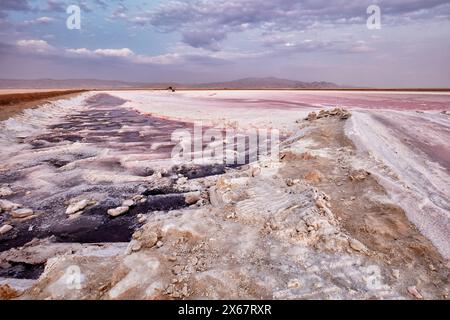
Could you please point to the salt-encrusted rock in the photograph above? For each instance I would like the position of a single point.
(5, 191)
(192, 197)
(118, 211)
(138, 197)
(311, 116)
(336, 112)
(5, 228)
(135, 245)
(22, 213)
(357, 246)
(294, 283)
(396, 273)
(150, 238)
(128, 203)
(147, 236)
(8, 205)
(78, 206)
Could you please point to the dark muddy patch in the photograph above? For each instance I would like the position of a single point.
(194, 172)
(22, 270)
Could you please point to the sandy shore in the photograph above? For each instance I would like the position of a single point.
(15, 101)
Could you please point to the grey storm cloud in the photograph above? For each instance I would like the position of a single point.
(204, 39)
(204, 23)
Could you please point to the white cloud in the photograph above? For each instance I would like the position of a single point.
(124, 52)
(127, 55)
(41, 21)
(40, 46)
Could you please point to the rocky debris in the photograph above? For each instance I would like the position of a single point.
(7, 292)
(6, 205)
(414, 292)
(359, 175)
(192, 197)
(291, 182)
(5, 228)
(181, 180)
(446, 112)
(5, 191)
(118, 211)
(77, 206)
(336, 112)
(311, 116)
(22, 213)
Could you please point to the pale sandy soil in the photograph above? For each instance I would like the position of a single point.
(354, 209)
(13, 102)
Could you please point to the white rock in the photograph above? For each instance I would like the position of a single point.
(5, 191)
(21, 213)
(128, 203)
(5, 228)
(192, 197)
(396, 273)
(356, 245)
(78, 206)
(117, 211)
(8, 205)
(294, 283)
(138, 197)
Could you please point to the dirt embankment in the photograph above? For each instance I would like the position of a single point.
(13, 103)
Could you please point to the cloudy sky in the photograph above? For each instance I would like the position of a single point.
(214, 40)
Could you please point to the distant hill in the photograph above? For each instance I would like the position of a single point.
(267, 83)
(246, 83)
(66, 84)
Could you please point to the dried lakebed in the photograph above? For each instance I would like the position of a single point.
(316, 224)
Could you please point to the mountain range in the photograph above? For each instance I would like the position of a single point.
(246, 83)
